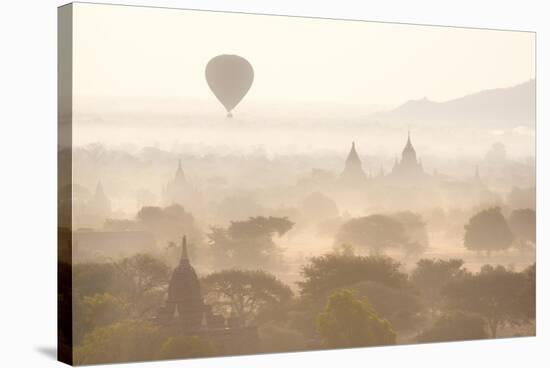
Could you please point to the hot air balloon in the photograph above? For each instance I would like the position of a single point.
(229, 77)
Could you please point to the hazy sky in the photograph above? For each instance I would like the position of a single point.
(145, 52)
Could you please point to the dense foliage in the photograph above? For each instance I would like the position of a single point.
(349, 321)
(523, 223)
(343, 300)
(375, 232)
(488, 231)
(331, 271)
(248, 243)
(431, 275)
(125, 341)
(498, 294)
(456, 326)
(243, 293)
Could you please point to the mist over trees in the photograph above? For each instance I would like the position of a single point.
(456, 326)
(328, 272)
(321, 204)
(168, 223)
(108, 292)
(375, 233)
(245, 294)
(430, 276)
(495, 293)
(135, 341)
(523, 223)
(488, 231)
(344, 300)
(403, 307)
(403, 231)
(415, 231)
(248, 243)
(281, 246)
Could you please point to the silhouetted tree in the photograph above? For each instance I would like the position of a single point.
(248, 243)
(244, 293)
(96, 311)
(139, 281)
(143, 273)
(141, 278)
(168, 223)
(260, 226)
(528, 300)
(93, 278)
(431, 275)
(375, 232)
(488, 231)
(121, 342)
(401, 307)
(415, 232)
(523, 223)
(348, 321)
(328, 272)
(455, 326)
(494, 293)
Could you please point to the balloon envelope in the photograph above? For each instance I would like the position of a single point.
(229, 77)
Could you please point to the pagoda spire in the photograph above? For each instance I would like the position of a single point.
(353, 170)
(477, 177)
(99, 194)
(180, 176)
(409, 143)
(353, 157)
(408, 156)
(100, 200)
(184, 255)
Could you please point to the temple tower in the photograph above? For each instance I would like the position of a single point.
(178, 190)
(184, 294)
(409, 167)
(179, 178)
(353, 171)
(100, 204)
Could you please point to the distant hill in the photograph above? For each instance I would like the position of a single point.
(501, 107)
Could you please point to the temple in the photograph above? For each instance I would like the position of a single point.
(409, 167)
(184, 295)
(179, 179)
(100, 203)
(177, 191)
(185, 313)
(353, 171)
